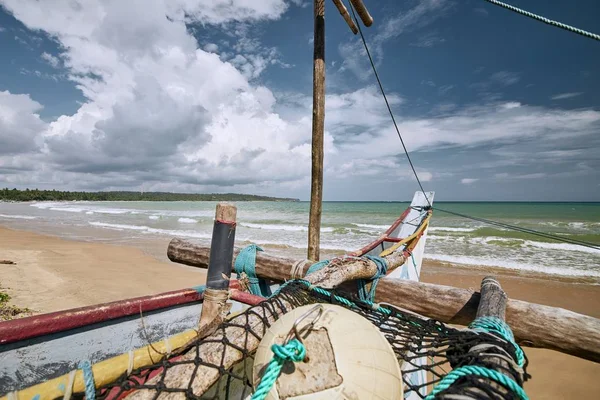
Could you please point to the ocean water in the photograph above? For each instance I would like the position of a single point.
(281, 227)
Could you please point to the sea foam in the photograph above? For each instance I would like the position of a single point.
(17, 216)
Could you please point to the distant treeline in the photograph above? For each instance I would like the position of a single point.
(57, 195)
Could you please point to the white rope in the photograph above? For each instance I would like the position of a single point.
(70, 382)
(130, 364)
(297, 269)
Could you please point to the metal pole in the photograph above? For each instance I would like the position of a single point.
(316, 193)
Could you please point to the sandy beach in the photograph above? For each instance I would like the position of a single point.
(52, 274)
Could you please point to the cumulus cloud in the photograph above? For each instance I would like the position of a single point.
(20, 125)
(157, 101)
(164, 111)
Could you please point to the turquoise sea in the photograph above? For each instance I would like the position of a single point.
(281, 227)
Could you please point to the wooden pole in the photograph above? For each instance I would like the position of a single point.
(318, 126)
(344, 12)
(362, 12)
(220, 265)
(492, 303)
(282, 269)
(533, 325)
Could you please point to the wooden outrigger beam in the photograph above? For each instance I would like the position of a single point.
(533, 324)
(344, 12)
(362, 12)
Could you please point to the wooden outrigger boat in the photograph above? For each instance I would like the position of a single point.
(201, 342)
(39, 348)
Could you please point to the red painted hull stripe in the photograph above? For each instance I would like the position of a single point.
(45, 324)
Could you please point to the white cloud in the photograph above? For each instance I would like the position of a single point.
(563, 96)
(468, 181)
(20, 125)
(165, 112)
(155, 101)
(211, 47)
(50, 59)
(536, 175)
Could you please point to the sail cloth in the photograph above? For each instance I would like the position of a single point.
(410, 336)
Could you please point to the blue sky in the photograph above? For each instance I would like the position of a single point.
(214, 96)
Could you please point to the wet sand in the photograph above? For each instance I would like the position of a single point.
(53, 274)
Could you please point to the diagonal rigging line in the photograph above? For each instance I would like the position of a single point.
(483, 220)
(546, 20)
(387, 103)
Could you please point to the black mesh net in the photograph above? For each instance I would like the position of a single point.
(220, 366)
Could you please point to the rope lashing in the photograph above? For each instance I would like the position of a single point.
(470, 370)
(245, 262)
(546, 20)
(407, 239)
(382, 267)
(317, 266)
(501, 328)
(291, 351)
(88, 379)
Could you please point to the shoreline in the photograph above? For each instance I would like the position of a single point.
(53, 273)
(152, 245)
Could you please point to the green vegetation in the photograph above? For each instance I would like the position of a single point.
(8, 311)
(57, 195)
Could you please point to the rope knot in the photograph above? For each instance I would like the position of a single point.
(291, 351)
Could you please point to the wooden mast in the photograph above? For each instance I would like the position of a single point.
(318, 126)
(318, 120)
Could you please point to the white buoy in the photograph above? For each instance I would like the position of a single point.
(347, 357)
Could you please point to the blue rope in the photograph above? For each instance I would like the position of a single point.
(546, 20)
(317, 266)
(369, 296)
(291, 351)
(462, 372)
(501, 328)
(246, 263)
(88, 379)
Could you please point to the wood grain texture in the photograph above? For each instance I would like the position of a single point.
(492, 302)
(362, 12)
(344, 12)
(318, 128)
(280, 268)
(533, 325)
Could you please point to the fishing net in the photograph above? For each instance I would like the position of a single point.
(419, 344)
